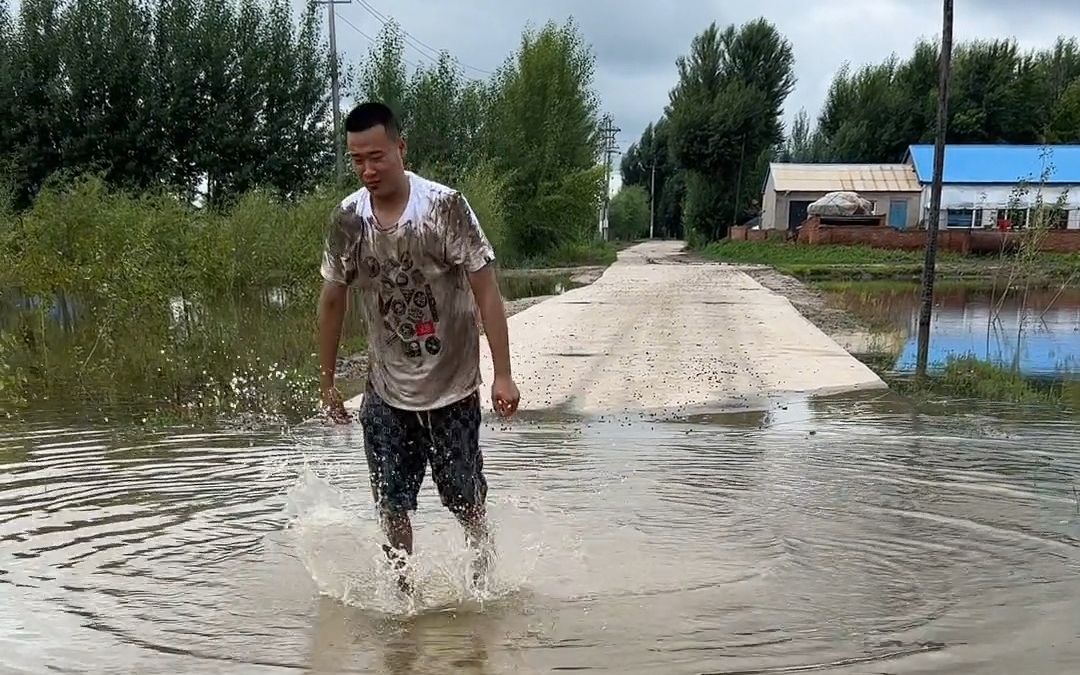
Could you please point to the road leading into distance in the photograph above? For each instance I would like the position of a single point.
(661, 333)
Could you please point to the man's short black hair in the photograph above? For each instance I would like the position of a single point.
(372, 114)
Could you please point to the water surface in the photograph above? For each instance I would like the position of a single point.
(839, 536)
(1040, 334)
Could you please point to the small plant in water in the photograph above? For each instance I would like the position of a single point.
(1040, 219)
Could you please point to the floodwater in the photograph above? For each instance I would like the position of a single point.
(848, 535)
(1041, 335)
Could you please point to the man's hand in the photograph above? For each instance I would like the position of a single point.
(505, 396)
(334, 406)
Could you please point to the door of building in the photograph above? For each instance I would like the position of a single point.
(797, 212)
(898, 214)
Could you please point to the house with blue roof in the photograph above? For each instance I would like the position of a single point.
(995, 186)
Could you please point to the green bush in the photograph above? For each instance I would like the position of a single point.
(91, 241)
(628, 217)
(971, 377)
(485, 188)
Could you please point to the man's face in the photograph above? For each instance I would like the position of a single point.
(378, 159)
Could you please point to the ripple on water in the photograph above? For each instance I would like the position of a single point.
(944, 544)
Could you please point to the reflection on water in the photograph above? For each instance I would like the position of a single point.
(518, 284)
(1041, 336)
(841, 536)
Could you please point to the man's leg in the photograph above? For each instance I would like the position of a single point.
(457, 467)
(396, 463)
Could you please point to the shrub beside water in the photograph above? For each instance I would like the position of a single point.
(90, 241)
(115, 298)
(968, 377)
(971, 377)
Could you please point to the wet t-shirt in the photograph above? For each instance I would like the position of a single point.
(423, 339)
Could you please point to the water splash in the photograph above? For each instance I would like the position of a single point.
(339, 541)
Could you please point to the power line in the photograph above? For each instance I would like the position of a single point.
(416, 43)
(370, 39)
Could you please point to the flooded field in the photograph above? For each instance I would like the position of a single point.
(1041, 336)
(254, 353)
(848, 535)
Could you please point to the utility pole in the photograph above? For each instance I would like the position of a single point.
(738, 186)
(339, 165)
(652, 199)
(926, 310)
(607, 134)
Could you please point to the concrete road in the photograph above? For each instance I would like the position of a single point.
(659, 333)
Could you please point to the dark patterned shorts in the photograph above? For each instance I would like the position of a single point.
(400, 444)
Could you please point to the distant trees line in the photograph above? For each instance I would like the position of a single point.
(218, 96)
(722, 125)
(211, 99)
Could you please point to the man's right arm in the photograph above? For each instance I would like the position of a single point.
(333, 302)
(337, 272)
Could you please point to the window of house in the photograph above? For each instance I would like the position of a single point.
(960, 218)
(1055, 218)
(1012, 219)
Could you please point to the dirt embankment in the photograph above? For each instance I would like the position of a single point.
(856, 336)
(811, 303)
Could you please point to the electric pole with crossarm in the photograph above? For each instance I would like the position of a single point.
(339, 157)
(608, 147)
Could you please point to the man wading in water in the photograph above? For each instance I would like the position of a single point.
(421, 259)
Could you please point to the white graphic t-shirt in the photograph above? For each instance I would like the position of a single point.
(423, 340)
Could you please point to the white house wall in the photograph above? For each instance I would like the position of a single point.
(991, 198)
(1000, 196)
(769, 205)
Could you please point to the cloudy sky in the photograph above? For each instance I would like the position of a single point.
(636, 42)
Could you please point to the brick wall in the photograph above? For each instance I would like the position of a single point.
(743, 233)
(814, 232)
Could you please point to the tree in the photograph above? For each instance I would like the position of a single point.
(636, 165)
(8, 107)
(36, 73)
(299, 133)
(175, 93)
(628, 217)
(178, 112)
(999, 95)
(544, 135)
(383, 77)
(725, 120)
(636, 169)
(803, 144)
(1065, 118)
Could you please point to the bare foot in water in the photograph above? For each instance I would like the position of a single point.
(399, 563)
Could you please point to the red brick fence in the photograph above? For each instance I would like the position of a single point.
(814, 232)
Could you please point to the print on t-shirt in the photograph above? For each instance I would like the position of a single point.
(406, 304)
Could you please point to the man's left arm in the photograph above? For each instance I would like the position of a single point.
(467, 246)
(485, 288)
